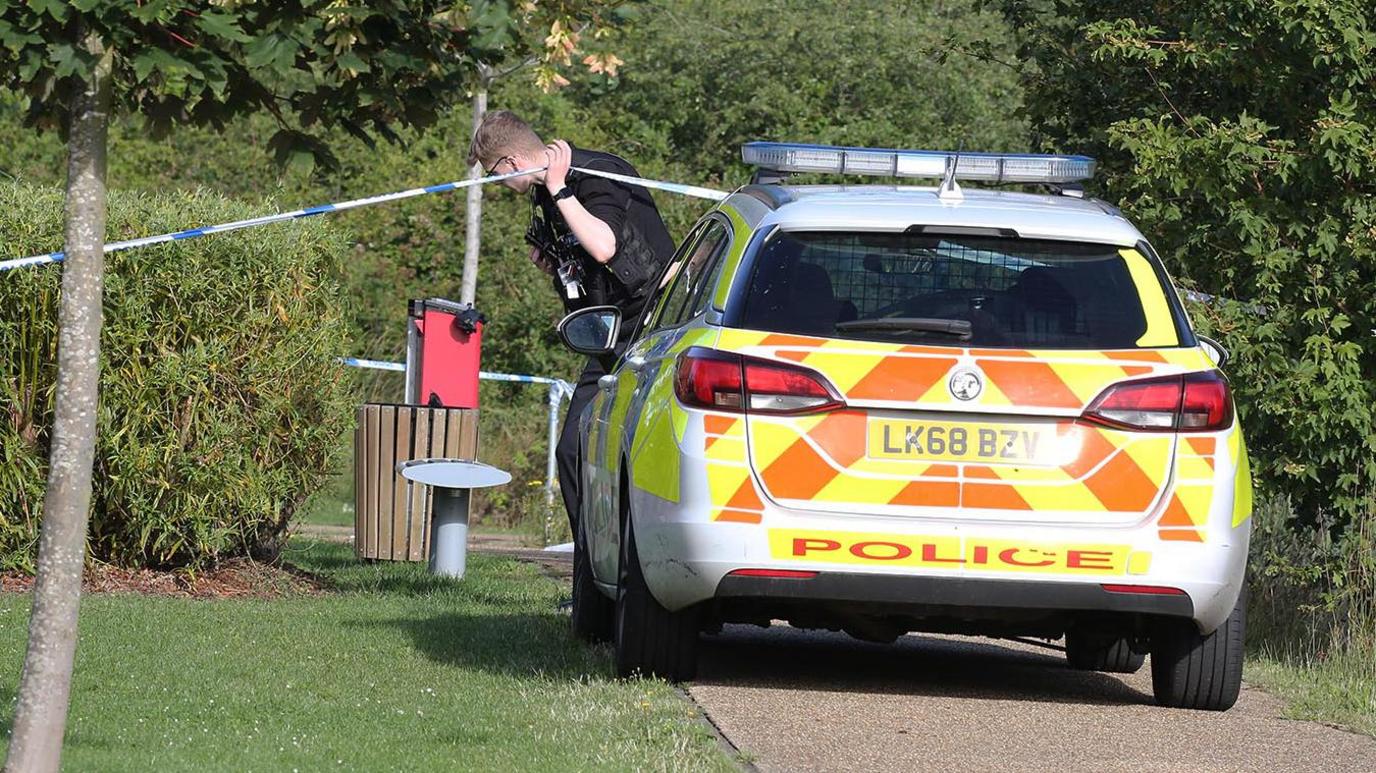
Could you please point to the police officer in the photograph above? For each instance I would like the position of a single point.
(619, 241)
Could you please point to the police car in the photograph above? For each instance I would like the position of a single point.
(885, 408)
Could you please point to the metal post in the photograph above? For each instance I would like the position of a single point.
(556, 393)
(412, 394)
(473, 229)
(449, 531)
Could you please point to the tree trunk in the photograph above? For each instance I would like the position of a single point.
(473, 230)
(40, 716)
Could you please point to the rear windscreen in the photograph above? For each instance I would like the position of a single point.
(958, 290)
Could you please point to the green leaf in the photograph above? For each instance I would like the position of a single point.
(68, 60)
(15, 39)
(222, 25)
(273, 50)
(54, 8)
(495, 25)
(156, 59)
(351, 62)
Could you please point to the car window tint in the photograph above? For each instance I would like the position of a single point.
(958, 291)
(703, 294)
(691, 273)
(656, 305)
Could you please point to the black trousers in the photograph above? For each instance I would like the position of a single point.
(567, 452)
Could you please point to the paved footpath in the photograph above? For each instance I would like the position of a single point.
(795, 700)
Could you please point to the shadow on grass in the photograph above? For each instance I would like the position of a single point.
(511, 644)
(338, 568)
(73, 737)
(789, 658)
(7, 698)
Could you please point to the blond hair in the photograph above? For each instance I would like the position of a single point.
(501, 133)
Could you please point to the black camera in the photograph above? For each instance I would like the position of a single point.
(557, 245)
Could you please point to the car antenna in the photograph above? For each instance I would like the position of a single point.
(949, 190)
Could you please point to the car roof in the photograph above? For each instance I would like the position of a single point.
(896, 207)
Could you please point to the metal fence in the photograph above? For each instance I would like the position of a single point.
(558, 390)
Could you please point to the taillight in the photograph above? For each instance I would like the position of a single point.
(708, 379)
(1195, 402)
(721, 381)
(1207, 405)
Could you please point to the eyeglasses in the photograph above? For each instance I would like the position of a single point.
(493, 170)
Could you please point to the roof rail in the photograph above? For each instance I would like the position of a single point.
(768, 193)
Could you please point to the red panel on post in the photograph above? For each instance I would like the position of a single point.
(450, 351)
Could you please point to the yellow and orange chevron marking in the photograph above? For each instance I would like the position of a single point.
(822, 460)
(916, 376)
(1186, 516)
(729, 482)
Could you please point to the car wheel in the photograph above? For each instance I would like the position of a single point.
(650, 640)
(1190, 670)
(592, 611)
(1085, 652)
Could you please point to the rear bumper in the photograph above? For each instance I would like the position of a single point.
(687, 563)
(936, 593)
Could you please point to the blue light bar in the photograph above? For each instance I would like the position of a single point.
(985, 167)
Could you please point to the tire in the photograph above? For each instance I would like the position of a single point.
(1088, 653)
(1190, 670)
(651, 641)
(592, 611)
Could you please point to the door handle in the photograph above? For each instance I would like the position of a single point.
(606, 383)
(636, 363)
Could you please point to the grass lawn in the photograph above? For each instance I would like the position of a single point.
(393, 670)
(1338, 691)
(332, 505)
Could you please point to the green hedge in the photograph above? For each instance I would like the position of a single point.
(222, 400)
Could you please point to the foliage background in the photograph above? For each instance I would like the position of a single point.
(221, 399)
(699, 78)
(1242, 139)
(1243, 143)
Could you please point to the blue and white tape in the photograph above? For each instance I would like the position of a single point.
(54, 257)
(359, 362)
(399, 367)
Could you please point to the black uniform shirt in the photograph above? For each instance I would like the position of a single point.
(643, 244)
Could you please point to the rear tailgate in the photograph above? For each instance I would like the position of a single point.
(906, 445)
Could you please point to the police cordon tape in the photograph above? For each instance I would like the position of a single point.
(400, 367)
(320, 209)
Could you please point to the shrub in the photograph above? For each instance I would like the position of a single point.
(221, 397)
(1241, 143)
(1313, 595)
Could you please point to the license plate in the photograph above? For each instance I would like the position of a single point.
(946, 441)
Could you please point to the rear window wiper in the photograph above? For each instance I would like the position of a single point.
(953, 327)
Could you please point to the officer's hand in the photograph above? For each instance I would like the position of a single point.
(538, 258)
(558, 156)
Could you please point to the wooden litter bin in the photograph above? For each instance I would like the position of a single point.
(392, 514)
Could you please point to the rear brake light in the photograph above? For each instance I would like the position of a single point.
(707, 379)
(1195, 402)
(1151, 590)
(1207, 404)
(777, 574)
(721, 381)
(773, 388)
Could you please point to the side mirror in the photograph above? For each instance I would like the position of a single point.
(1214, 350)
(591, 331)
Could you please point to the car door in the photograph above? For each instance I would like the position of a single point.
(601, 462)
(628, 402)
